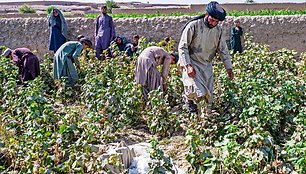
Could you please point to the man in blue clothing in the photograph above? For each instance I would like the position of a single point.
(236, 34)
(64, 58)
(105, 31)
(133, 46)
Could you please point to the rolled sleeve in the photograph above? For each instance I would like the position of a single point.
(185, 41)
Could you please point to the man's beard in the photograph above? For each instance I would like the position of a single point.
(207, 23)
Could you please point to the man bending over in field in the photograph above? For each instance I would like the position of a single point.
(146, 72)
(64, 58)
(26, 61)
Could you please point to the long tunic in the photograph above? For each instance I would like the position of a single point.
(105, 31)
(56, 37)
(198, 46)
(63, 61)
(235, 40)
(146, 72)
(27, 63)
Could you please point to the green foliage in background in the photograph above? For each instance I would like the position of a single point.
(110, 4)
(230, 13)
(26, 9)
(50, 8)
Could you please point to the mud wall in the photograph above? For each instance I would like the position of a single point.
(276, 31)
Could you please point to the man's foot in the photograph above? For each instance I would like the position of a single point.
(191, 106)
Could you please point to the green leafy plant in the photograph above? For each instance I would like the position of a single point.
(110, 4)
(160, 162)
(50, 8)
(26, 9)
(230, 13)
(161, 119)
(199, 157)
(257, 123)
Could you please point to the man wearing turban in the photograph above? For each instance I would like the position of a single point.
(201, 39)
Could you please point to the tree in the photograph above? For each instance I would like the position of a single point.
(110, 4)
(50, 8)
(249, 1)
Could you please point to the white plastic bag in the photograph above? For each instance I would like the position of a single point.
(189, 85)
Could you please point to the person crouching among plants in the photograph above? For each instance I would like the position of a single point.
(118, 44)
(146, 72)
(26, 61)
(133, 46)
(65, 58)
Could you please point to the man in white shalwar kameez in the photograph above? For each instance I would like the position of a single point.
(200, 41)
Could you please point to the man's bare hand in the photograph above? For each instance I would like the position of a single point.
(165, 87)
(191, 71)
(230, 74)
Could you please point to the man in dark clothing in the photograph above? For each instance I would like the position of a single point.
(236, 34)
(26, 61)
(105, 32)
(133, 46)
(120, 42)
